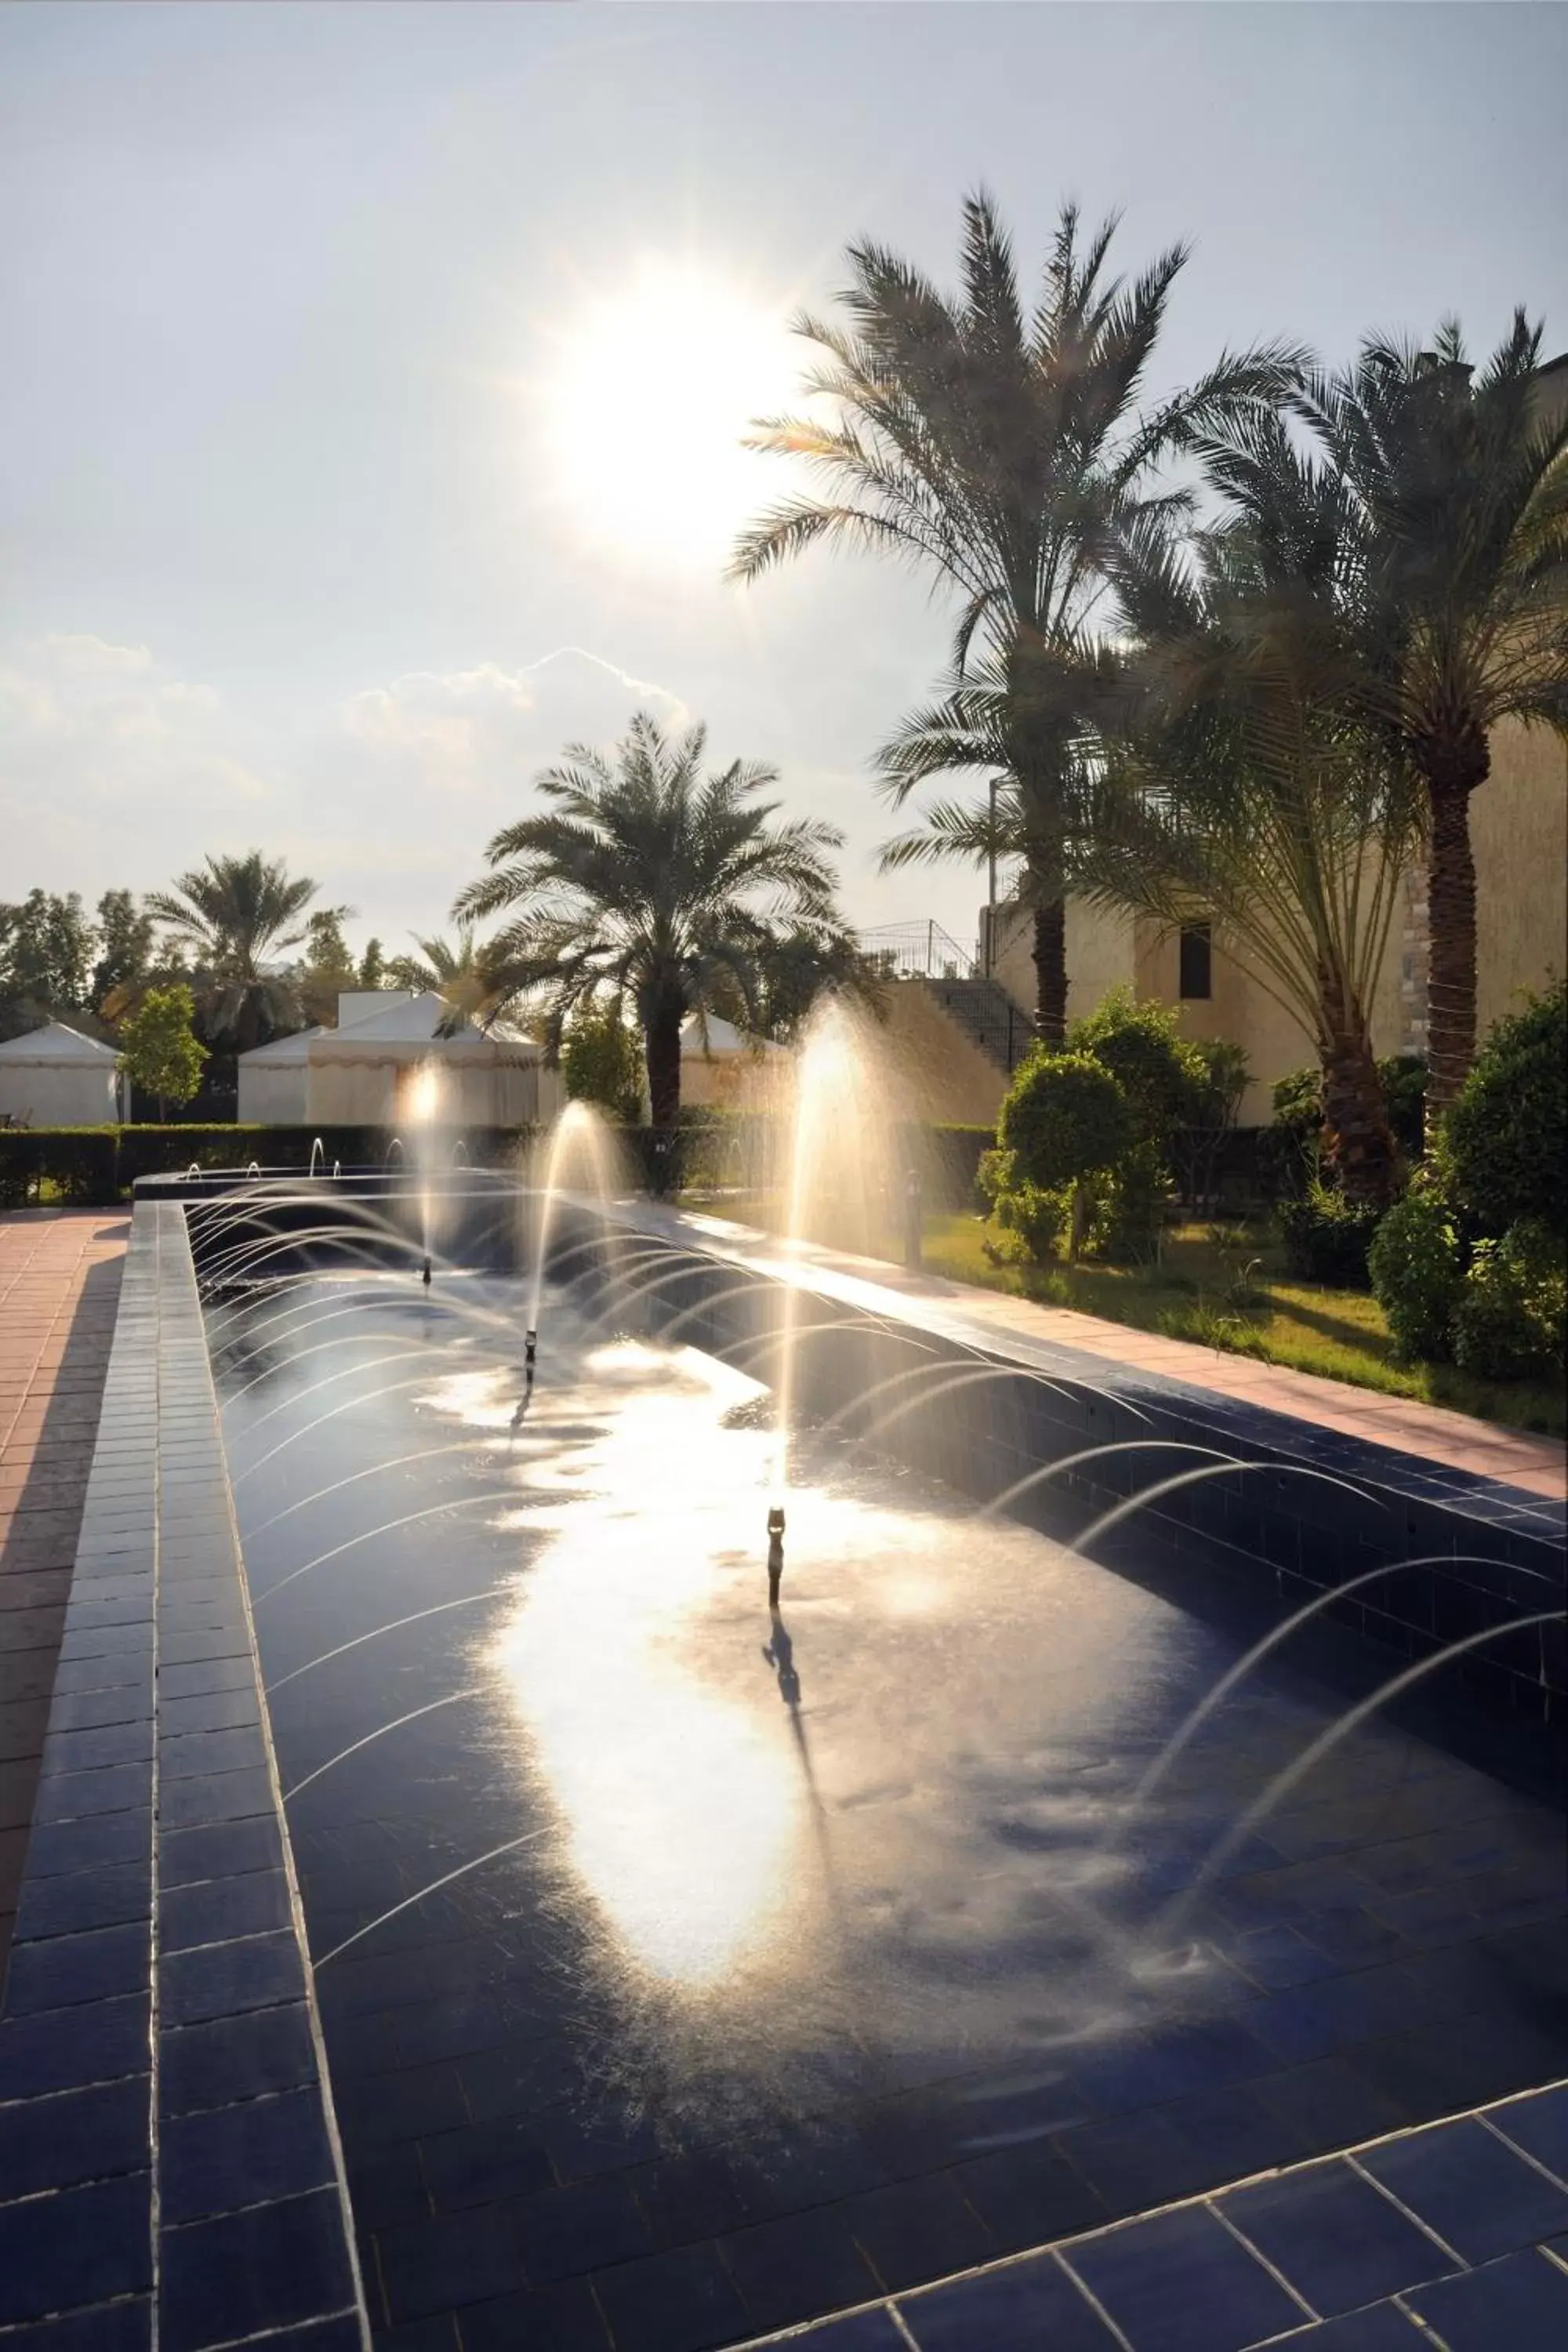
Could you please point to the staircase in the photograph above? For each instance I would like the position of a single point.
(986, 1013)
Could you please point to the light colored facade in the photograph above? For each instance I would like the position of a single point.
(390, 1066)
(1519, 826)
(54, 1077)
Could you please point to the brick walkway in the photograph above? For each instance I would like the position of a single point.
(60, 1284)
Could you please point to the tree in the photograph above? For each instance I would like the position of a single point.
(464, 970)
(235, 913)
(646, 883)
(601, 1062)
(1251, 791)
(160, 1050)
(1462, 480)
(373, 966)
(1002, 453)
(328, 968)
(126, 937)
(45, 956)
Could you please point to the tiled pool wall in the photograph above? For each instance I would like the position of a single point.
(1435, 1557)
(171, 2167)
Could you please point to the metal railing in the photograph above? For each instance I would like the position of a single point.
(916, 951)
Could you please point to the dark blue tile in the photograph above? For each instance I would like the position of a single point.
(85, 1899)
(101, 1842)
(567, 2231)
(1179, 2282)
(225, 1797)
(483, 2165)
(75, 2137)
(1521, 2301)
(224, 1980)
(76, 1796)
(1137, 2161)
(915, 2230)
(124, 2326)
(248, 2272)
(381, 2110)
(682, 2301)
(798, 2268)
(1027, 2197)
(439, 2265)
(64, 2049)
(686, 2197)
(388, 2190)
(1380, 2327)
(1539, 2126)
(215, 1910)
(547, 2319)
(84, 2246)
(64, 1970)
(1463, 2182)
(339, 2335)
(221, 1850)
(1014, 2309)
(210, 1711)
(858, 2331)
(246, 2154)
(1332, 2104)
(1335, 2237)
(235, 2058)
(239, 1748)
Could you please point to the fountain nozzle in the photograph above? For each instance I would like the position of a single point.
(425, 1277)
(531, 1346)
(775, 1552)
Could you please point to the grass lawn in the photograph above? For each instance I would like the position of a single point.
(1229, 1290)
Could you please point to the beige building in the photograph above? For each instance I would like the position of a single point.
(1519, 824)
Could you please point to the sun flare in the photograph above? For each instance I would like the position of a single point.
(643, 413)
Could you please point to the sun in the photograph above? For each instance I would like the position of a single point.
(642, 412)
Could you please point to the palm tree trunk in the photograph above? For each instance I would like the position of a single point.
(1452, 772)
(1050, 968)
(1360, 1146)
(661, 1043)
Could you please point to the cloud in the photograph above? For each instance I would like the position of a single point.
(102, 749)
(481, 729)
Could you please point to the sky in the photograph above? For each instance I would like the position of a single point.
(374, 373)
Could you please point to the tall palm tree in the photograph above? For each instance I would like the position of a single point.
(1249, 792)
(1002, 453)
(235, 913)
(645, 880)
(1463, 481)
(463, 971)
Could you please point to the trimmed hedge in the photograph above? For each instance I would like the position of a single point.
(95, 1167)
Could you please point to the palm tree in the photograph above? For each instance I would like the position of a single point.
(233, 913)
(1002, 455)
(1463, 483)
(463, 971)
(646, 881)
(1249, 793)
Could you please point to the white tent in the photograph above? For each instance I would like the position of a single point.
(714, 1068)
(55, 1076)
(389, 1068)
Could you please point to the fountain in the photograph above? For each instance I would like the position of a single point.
(318, 1154)
(1080, 1824)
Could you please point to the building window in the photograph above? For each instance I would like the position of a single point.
(1198, 959)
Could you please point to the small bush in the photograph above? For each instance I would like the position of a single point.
(1506, 1138)
(1128, 1219)
(1065, 1118)
(1032, 1219)
(1417, 1273)
(1510, 1322)
(1327, 1238)
(1161, 1075)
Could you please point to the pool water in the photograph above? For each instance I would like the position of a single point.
(687, 1968)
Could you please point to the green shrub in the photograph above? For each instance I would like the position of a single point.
(1064, 1118)
(1506, 1138)
(601, 1062)
(1161, 1075)
(70, 1164)
(1326, 1237)
(1034, 1219)
(1417, 1273)
(1510, 1322)
(1404, 1079)
(1132, 1212)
